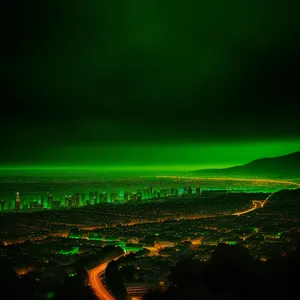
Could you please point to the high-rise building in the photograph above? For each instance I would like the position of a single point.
(103, 197)
(174, 192)
(56, 204)
(190, 191)
(42, 201)
(164, 193)
(66, 201)
(77, 200)
(91, 197)
(154, 195)
(82, 199)
(96, 198)
(70, 201)
(50, 199)
(2, 205)
(139, 195)
(17, 204)
(132, 197)
(113, 197)
(121, 196)
(198, 191)
(126, 196)
(181, 191)
(146, 194)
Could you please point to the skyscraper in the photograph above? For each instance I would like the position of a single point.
(66, 201)
(77, 200)
(17, 204)
(113, 197)
(50, 199)
(174, 192)
(95, 197)
(82, 199)
(91, 197)
(126, 197)
(103, 197)
(70, 201)
(139, 195)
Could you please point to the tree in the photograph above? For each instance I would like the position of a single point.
(114, 280)
(128, 272)
(74, 288)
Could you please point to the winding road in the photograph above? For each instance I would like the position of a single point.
(95, 281)
(256, 204)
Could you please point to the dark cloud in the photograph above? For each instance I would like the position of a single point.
(147, 70)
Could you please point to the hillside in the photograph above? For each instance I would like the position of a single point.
(286, 166)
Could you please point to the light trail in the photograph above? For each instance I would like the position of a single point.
(262, 181)
(95, 281)
(256, 204)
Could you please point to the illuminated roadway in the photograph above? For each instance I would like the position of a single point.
(256, 204)
(95, 281)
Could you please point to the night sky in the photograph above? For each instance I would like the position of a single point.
(136, 83)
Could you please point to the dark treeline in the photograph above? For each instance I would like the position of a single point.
(232, 273)
(30, 287)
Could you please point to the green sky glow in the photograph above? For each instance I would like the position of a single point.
(143, 84)
(158, 157)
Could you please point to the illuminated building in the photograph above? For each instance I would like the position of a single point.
(181, 191)
(164, 193)
(70, 201)
(34, 204)
(146, 194)
(82, 199)
(91, 197)
(95, 197)
(56, 204)
(66, 201)
(164, 244)
(95, 201)
(126, 197)
(50, 198)
(42, 201)
(154, 195)
(121, 196)
(17, 204)
(211, 241)
(2, 205)
(139, 195)
(113, 197)
(132, 197)
(77, 200)
(174, 192)
(103, 197)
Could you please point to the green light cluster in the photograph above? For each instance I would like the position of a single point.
(74, 251)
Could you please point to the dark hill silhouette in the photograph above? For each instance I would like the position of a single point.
(285, 166)
(232, 273)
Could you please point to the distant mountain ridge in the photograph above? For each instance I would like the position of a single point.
(285, 166)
